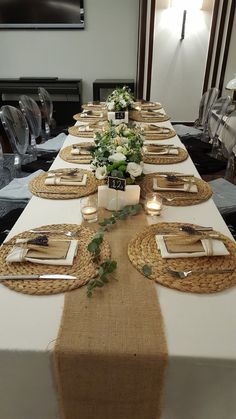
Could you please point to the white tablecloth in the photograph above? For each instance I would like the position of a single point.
(200, 329)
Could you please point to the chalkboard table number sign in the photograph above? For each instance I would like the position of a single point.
(116, 183)
(120, 115)
(119, 185)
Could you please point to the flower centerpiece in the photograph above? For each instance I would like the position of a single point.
(118, 153)
(118, 104)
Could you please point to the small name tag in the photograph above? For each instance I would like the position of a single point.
(116, 183)
(120, 115)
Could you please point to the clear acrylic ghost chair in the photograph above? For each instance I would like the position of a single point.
(224, 191)
(2, 183)
(33, 116)
(216, 122)
(17, 131)
(46, 109)
(199, 130)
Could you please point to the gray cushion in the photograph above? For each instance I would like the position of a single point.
(224, 195)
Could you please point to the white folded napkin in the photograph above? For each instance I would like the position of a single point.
(86, 128)
(60, 180)
(187, 187)
(81, 151)
(85, 115)
(211, 247)
(19, 254)
(167, 151)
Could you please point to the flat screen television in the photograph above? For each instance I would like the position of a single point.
(41, 14)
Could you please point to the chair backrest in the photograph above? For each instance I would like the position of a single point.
(32, 113)
(216, 118)
(228, 133)
(207, 101)
(16, 128)
(46, 103)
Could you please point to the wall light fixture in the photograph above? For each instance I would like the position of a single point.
(185, 6)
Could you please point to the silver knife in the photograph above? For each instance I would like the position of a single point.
(31, 277)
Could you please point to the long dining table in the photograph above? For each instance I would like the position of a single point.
(200, 329)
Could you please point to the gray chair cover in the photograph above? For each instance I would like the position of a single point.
(200, 128)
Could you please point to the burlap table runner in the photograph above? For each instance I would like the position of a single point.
(111, 351)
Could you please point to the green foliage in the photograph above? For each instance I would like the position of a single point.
(147, 270)
(108, 266)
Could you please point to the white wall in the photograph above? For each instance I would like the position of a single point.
(106, 48)
(231, 63)
(179, 66)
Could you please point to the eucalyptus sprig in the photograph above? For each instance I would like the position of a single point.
(108, 266)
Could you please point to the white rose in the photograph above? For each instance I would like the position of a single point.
(120, 149)
(101, 172)
(117, 157)
(110, 105)
(123, 103)
(134, 169)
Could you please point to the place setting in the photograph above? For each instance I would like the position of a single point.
(77, 153)
(153, 132)
(146, 105)
(85, 130)
(186, 257)
(95, 105)
(91, 116)
(149, 115)
(163, 154)
(49, 259)
(64, 184)
(176, 189)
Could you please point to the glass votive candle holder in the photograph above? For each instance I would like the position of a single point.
(89, 209)
(153, 204)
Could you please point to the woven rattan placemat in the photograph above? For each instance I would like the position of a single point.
(66, 155)
(137, 116)
(62, 191)
(142, 250)
(93, 119)
(166, 159)
(83, 267)
(182, 198)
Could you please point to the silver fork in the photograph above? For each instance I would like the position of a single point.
(184, 274)
(65, 233)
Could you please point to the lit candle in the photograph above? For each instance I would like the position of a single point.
(153, 204)
(90, 214)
